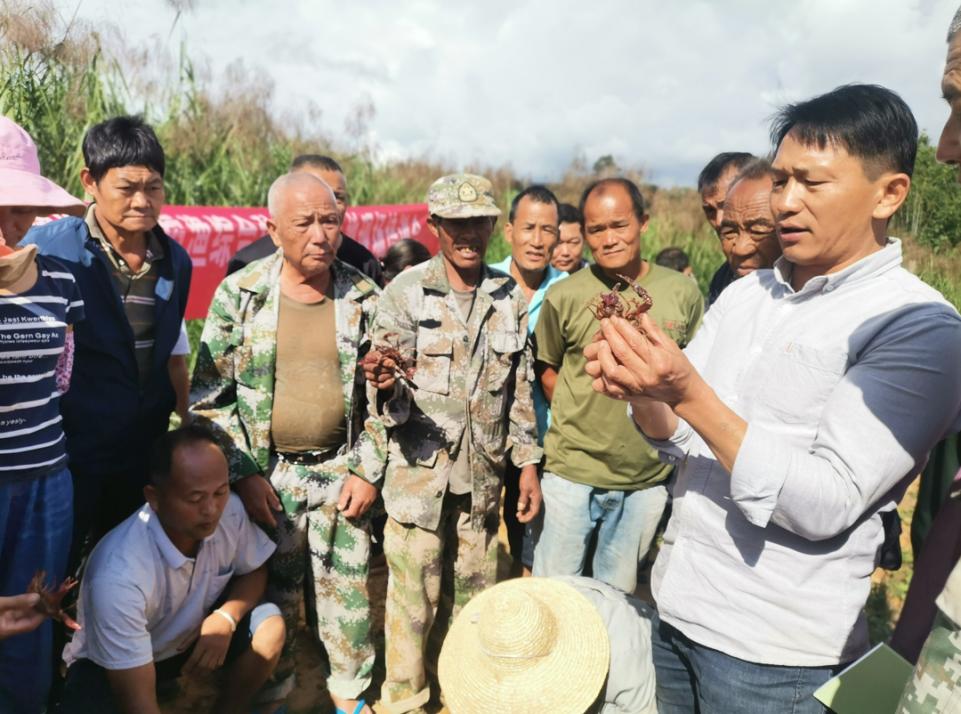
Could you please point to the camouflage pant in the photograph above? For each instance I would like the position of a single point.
(936, 685)
(432, 576)
(318, 546)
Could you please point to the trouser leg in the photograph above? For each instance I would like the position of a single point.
(35, 531)
(515, 529)
(568, 524)
(414, 559)
(287, 566)
(628, 522)
(340, 565)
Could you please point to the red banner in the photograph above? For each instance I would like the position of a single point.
(212, 235)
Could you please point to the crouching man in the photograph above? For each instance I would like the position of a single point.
(176, 587)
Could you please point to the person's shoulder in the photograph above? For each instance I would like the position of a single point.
(124, 557)
(352, 277)
(908, 293)
(234, 519)
(63, 238)
(260, 248)
(56, 268)
(408, 282)
(178, 253)
(352, 250)
(573, 287)
(660, 277)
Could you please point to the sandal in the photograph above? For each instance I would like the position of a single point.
(357, 710)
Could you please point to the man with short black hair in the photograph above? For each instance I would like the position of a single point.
(177, 586)
(135, 280)
(531, 231)
(799, 413)
(712, 185)
(348, 250)
(569, 252)
(599, 474)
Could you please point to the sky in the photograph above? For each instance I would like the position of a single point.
(659, 85)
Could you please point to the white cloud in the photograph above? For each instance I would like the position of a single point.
(657, 84)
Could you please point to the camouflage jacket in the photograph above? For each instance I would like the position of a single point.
(233, 382)
(481, 389)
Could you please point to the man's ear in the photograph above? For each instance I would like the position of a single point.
(432, 227)
(151, 495)
(508, 233)
(893, 189)
(272, 232)
(644, 222)
(88, 183)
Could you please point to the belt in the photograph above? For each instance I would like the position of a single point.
(306, 458)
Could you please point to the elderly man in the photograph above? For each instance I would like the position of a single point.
(747, 225)
(532, 232)
(800, 412)
(451, 426)
(599, 474)
(348, 250)
(282, 337)
(712, 185)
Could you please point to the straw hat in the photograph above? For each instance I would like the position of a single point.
(525, 645)
(20, 181)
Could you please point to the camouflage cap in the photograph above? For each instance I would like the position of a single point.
(461, 196)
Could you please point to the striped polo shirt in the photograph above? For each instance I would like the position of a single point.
(136, 288)
(33, 328)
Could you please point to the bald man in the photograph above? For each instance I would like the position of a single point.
(282, 337)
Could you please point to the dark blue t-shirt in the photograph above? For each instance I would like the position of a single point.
(33, 329)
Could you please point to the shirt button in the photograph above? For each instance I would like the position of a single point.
(465, 339)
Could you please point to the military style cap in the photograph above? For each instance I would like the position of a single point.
(461, 196)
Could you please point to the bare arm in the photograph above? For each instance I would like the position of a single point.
(135, 689)
(547, 375)
(180, 379)
(245, 592)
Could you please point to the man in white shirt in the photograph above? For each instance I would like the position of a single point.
(176, 586)
(797, 415)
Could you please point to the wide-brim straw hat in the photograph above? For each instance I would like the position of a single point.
(20, 181)
(525, 645)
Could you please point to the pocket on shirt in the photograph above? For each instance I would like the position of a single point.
(503, 347)
(801, 380)
(435, 354)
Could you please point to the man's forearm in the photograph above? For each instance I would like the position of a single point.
(245, 592)
(135, 690)
(721, 428)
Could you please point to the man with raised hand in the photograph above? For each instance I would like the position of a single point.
(532, 233)
(799, 413)
(456, 408)
(599, 474)
(278, 376)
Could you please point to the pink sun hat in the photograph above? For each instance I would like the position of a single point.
(20, 181)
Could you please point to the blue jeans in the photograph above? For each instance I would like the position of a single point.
(36, 519)
(692, 678)
(625, 522)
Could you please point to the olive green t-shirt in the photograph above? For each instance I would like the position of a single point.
(591, 440)
(308, 411)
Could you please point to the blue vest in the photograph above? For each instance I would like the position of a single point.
(110, 419)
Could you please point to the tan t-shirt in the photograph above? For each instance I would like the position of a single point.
(308, 412)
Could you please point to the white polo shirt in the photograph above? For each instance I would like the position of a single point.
(142, 600)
